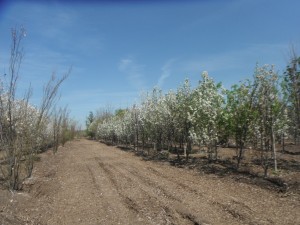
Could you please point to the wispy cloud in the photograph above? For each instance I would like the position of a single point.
(166, 72)
(134, 72)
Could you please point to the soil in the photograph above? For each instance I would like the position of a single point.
(87, 182)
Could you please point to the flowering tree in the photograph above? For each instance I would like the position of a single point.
(292, 87)
(135, 123)
(182, 121)
(205, 114)
(254, 114)
(271, 116)
(152, 118)
(169, 119)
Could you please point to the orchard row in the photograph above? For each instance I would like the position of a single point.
(256, 113)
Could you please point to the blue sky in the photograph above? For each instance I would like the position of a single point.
(118, 50)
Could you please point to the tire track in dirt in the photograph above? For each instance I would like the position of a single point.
(162, 192)
(109, 173)
(122, 175)
(117, 208)
(126, 200)
(155, 199)
(238, 212)
(245, 214)
(93, 178)
(171, 179)
(112, 172)
(92, 183)
(183, 211)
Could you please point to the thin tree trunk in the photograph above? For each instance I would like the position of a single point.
(137, 140)
(239, 157)
(177, 152)
(274, 148)
(283, 142)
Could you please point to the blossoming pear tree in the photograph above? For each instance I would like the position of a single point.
(205, 113)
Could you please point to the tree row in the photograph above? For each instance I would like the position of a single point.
(256, 113)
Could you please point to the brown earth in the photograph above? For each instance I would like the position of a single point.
(87, 182)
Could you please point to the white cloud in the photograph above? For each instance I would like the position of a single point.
(124, 64)
(166, 72)
(134, 72)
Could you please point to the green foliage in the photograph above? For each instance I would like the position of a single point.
(240, 112)
(120, 113)
(90, 125)
(89, 119)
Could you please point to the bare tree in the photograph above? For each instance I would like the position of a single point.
(60, 128)
(23, 128)
(8, 140)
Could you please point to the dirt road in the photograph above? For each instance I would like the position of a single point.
(87, 183)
